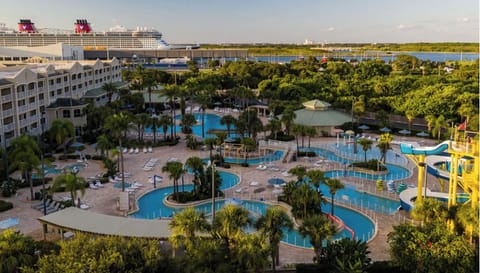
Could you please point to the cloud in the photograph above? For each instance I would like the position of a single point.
(405, 27)
(330, 29)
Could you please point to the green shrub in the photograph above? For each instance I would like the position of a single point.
(4, 205)
(372, 164)
(8, 188)
(306, 154)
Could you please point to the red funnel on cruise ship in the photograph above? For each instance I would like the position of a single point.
(26, 26)
(82, 26)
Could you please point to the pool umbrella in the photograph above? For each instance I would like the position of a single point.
(422, 134)
(363, 127)
(350, 132)
(338, 130)
(385, 130)
(404, 132)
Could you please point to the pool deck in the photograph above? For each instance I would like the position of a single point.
(105, 200)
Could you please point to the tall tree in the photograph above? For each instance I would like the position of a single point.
(185, 225)
(116, 125)
(384, 145)
(175, 170)
(72, 184)
(111, 89)
(60, 131)
(272, 225)
(24, 155)
(366, 145)
(288, 116)
(228, 120)
(333, 186)
(103, 144)
(317, 227)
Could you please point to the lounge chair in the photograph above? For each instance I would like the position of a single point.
(261, 167)
(55, 208)
(145, 150)
(84, 206)
(136, 150)
(40, 205)
(99, 184)
(92, 186)
(125, 150)
(131, 151)
(150, 149)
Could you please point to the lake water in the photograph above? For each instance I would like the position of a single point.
(432, 56)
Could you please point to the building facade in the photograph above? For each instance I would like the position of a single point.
(36, 94)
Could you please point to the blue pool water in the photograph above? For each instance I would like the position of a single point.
(212, 121)
(395, 172)
(119, 185)
(52, 169)
(151, 207)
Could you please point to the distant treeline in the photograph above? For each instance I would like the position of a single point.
(315, 50)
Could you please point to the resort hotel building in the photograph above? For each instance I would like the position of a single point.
(36, 94)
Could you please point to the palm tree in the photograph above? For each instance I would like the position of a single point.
(187, 121)
(274, 125)
(410, 115)
(142, 120)
(110, 88)
(310, 131)
(305, 196)
(117, 125)
(299, 171)
(72, 184)
(164, 122)
(154, 124)
(184, 225)
(440, 123)
(430, 119)
(210, 143)
(297, 130)
(229, 223)
(317, 227)
(23, 155)
(195, 164)
(62, 129)
(366, 145)
(171, 91)
(272, 225)
(249, 144)
(103, 144)
(228, 120)
(384, 145)
(175, 170)
(333, 186)
(204, 101)
(316, 177)
(288, 116)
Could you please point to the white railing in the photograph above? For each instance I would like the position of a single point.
(9, 127)
(7, 113)
(7, 98)
(21, 95)
(22, 108)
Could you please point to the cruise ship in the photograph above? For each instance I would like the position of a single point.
(116, 38)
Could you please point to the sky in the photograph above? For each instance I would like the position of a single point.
(263, 21)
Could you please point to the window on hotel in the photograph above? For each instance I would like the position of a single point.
(65, 79)
(52, 94)
(66, 113)
(59, 92)
(31, 100)
(31, 86)
(77, 113)
(59, 80)
(21, 88)
(51, 82)
(40, 84)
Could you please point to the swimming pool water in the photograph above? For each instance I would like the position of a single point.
(151, 207)
(394, 172)
(212, 121)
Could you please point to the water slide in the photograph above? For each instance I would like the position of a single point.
(411, 150)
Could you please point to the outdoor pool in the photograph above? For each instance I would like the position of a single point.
(212, 121)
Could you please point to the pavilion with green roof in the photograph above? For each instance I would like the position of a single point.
(318, 114)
